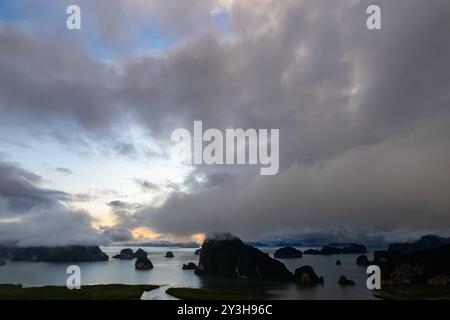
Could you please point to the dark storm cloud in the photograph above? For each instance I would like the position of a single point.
(123, 212)
(200, 180)
(196, 181)
(317, 74)
(147, 185)
(363, 115)
(118, 234)
(52, 85)
(405, 188)
(117, 204)
(53, 226)
(38, 216)
(20, 190)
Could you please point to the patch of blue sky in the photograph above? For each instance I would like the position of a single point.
(144, 40)
(223, 22)
(8, 11)
(153, 40)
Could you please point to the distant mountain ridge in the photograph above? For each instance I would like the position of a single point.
(162, 244)
(274, 243)
(426, 242)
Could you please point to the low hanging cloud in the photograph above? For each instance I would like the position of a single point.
(31, 215)
(363, 118)
(399, 183)
(118, 234)
(52, 227)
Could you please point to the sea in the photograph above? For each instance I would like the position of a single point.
(167, 272)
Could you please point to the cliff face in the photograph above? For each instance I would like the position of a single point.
(228, 256)
(56, 254)
(219, 256)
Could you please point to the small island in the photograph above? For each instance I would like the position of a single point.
(54, 254)
(288, 253)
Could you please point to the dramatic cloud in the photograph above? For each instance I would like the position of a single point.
(361, 143)
(401, 182)
(53, 226)
(363, 115)
(147, 185)
(123, 213)
(54, 87)
(118, 234)
(20, 191)
(31, 215)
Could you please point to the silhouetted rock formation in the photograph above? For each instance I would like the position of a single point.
(307, 276)
(354, 248)
(4, 252)
(288, 253)
(328, 250)
(227, 256)
(169, 254)
(143, 264)
(140, 254)
(197, 252)
(363, 261)
(58, 254)
(379, 256)
(125, 254)
(418, 267)
(190, 266)
(343, 281)
(338, 262)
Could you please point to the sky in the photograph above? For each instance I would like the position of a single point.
(87, 116)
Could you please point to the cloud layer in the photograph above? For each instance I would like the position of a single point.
(31, 215)
(363, 115)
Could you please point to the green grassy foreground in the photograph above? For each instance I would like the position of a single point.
(415, 292)
(206, 294)
(94, 292)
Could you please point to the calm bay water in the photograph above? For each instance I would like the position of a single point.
(168, 272)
